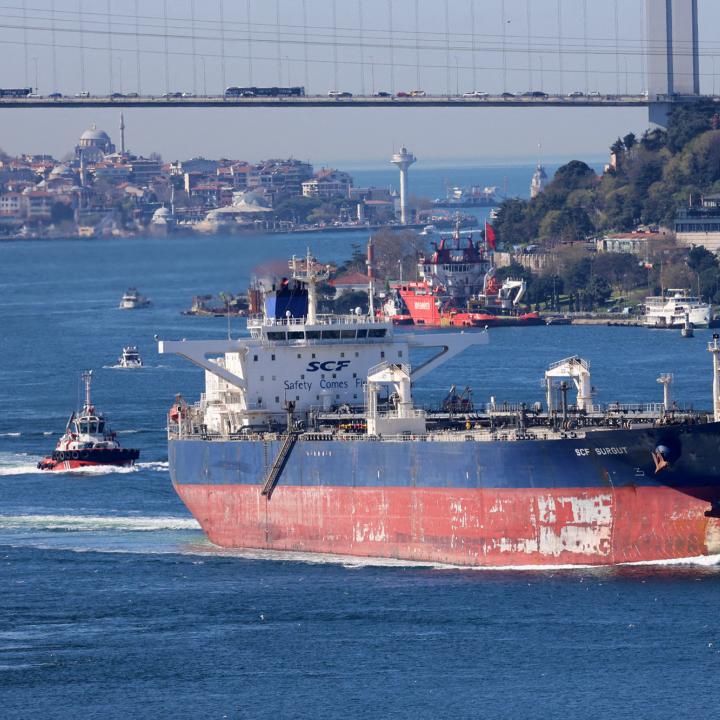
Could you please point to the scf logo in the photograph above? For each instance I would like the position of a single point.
(327, 366)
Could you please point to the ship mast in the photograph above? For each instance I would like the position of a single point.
(87, 379)
(371, 277)
(310, 277)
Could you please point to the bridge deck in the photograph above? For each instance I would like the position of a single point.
(324, 101)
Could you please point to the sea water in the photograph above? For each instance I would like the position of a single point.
(113, 604)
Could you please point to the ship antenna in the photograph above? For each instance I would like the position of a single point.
(371, 277)
(87, 378)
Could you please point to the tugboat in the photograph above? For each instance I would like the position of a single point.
(87, 441)
(133, 300)
(457, 287)
(130, 358)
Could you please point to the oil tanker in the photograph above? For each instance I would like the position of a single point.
(307, 439)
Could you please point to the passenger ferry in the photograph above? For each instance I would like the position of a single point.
(676, 308)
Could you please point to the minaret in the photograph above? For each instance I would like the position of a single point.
(122, 134)
(403, 160)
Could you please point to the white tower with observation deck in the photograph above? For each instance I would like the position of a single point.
(403, 160)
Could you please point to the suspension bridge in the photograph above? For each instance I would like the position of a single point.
(356, 53)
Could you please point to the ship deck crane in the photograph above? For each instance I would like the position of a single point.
(576, 369)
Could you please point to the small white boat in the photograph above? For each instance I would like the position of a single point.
(132, 300)
(130, 358)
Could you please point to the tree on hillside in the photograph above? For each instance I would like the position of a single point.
(629, 141)
(394, 250)
(573, 175)
(514, 224)
(654, 140)
(686, 122)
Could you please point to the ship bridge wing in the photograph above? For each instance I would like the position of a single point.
(199, 351)
(448, 345)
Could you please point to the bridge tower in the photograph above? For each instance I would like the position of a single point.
(673, 64)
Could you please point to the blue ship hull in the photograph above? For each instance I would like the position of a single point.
(592, 500)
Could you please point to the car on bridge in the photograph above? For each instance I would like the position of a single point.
(55, 96)
(382, 93)
(476, 94)
(339, 94)
(508, 95)
(417, 93)
(576, 94)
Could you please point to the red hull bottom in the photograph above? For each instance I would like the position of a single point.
(488, 527)
(65, 465)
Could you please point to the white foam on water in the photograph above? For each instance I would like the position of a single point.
(10, 434)
(89, 523)
(19, 464)
(159, 466)
(24, 464)
(699, 560)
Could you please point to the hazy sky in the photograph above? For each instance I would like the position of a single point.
(355, 45)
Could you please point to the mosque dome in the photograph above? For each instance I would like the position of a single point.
(94, 137)
(62, 171)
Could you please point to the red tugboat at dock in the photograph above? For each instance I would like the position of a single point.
(458, 288)
(87, 441)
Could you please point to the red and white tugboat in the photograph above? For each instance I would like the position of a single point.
(458, 288)
(87, 441)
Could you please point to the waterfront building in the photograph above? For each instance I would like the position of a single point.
(350, 282)
(38, 205)
(280, 176)
(699, 224)
(636, 243)
(11, 205)
(328, 183)
(143, 170)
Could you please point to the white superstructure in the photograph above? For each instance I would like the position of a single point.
(130, 358)
(674, 307)
(316, 362)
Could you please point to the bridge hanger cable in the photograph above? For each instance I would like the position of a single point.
(630, 51)
(295, 29)
(410, 65)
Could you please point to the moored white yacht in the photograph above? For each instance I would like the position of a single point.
(130, 358)
(132, 300)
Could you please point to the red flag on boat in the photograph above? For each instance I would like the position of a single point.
(490, 236)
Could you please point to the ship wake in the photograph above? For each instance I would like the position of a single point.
(90, 523)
